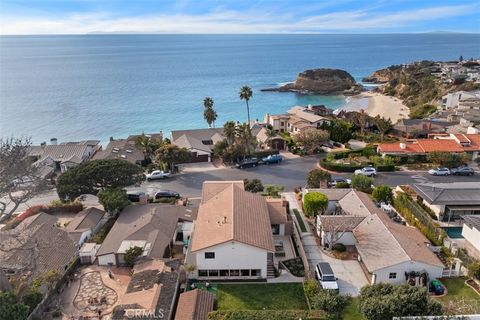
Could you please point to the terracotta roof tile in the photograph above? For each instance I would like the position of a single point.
(194, 305)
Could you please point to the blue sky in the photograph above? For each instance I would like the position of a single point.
(237, 16)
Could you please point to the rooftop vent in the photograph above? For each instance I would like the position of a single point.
(403, 146)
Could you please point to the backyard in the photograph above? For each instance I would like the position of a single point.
(460, 299)
(281, 296)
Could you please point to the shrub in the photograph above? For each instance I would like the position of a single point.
(382, 193)
(362, 183)
(340, 247)
(273, 191)
(264, 314)
(32, 298)
(31, 212)
(314, 202)
(342, 185)
(60, 206)
(330, 301)
(254, 185)
(165, 200)
(131, 255)
(339, 167)
(310, 288)
(113, 200)
(474, 270)
(295, 266)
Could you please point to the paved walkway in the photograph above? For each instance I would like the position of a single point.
(349, 273)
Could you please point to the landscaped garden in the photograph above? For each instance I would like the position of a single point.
(460, 298)
(295, 266)
(349, 161)
(301, 224)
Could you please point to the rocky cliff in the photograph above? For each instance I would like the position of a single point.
(322, 81)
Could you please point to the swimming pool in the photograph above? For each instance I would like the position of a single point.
(453, 232)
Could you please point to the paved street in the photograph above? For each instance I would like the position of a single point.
(291, 173)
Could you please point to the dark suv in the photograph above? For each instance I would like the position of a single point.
(247, 163)
(166, 194)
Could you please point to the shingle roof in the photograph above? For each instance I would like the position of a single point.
(152, 223)
(301, 113)
(121, 149)
(232, 214)
(86, 219)
(350, 222)
(65, 152)
(36, 238)
(473, 221)
(192, 139)
(277, 211)
(453, 193)
(194, 305)
(382, 243)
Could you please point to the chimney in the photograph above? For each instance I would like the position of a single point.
(403, 146)
(43, 144)
(224, 219)
(53, 141)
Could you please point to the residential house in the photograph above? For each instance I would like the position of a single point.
(157, 229)
(415, 128)
(452, 143)
(450, 201)
(126, 149)
(237, 233)
(461, 100)
(387, 251)
(297, 119)
(85, 224)
(277, 121)
(151, 292)
(471, 234)
(35, 247)
(65, 155)
(194, 305)
(198, 141)
(265, 142)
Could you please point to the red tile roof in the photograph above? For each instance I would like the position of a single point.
(445, 145)
(395, 148)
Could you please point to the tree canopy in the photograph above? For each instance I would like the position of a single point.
(382, 193)
(93, 176)
(331, 302)
(314, 203)
(317, 178)
(385, 301)
(113, 200)
(362, 183)
(20, 181)
(172, 154)
(254, 185)
(339, 130)
(131, 255)
(311, 139)
(10, 308)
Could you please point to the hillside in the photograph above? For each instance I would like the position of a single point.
(421, 85)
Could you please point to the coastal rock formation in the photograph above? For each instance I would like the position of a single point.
(322, 81)
(382, 76)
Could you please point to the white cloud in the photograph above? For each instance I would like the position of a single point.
(257, 21)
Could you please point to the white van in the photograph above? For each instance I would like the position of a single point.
(325, 276)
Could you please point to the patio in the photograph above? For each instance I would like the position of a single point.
(283, 249)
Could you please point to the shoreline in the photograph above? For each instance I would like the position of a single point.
(376, 104)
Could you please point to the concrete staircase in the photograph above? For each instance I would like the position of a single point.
(270, 266)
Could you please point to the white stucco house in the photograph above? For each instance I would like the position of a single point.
(471, 234)
(233, 236)
(388, 251)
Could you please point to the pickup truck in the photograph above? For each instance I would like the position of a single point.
(273, 158)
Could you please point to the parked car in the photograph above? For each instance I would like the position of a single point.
(158, 174)
(325, 276)
(273, 158)
(439, 172)
(247, 163)
(462, 171)
(367, 171)
(334, 181)
(166, 194)
(134, 196)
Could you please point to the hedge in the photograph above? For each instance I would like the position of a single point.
(266, 315)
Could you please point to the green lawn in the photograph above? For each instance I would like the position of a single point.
(301, 224)
(278, 296)
(460, 298)
(352, 311)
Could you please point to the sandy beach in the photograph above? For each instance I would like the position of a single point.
(377, 104)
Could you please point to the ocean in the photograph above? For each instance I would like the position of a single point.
(98, 86)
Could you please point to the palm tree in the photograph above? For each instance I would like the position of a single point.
(245, 94)
(229, 132)
(209, 114)
(270, 133)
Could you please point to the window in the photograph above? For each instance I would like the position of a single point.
(282, 123)
(207, 142)
(223, 273)
(245, 273)
(234, 273)
(392, 275)
(213, 273)
(209, 255)
(256, 272)
(203, 273)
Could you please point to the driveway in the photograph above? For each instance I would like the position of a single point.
(349, 273)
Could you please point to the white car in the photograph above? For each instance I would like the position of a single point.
(158, 174)
(439, 172)
(367, 171)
